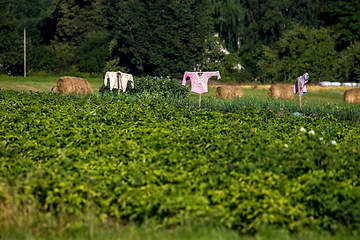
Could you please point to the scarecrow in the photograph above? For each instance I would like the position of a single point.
(199, 81)
(301, 84)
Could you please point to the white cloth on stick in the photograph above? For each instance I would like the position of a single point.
(124, 78)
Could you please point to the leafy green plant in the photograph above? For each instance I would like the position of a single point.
(157, 86)
(152, 159)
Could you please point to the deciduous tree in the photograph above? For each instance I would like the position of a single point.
(300, 50)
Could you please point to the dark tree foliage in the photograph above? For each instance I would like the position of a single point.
(25, 9)
(76, 19)
(300, 50)
(228, 18)
(248, 24)
(249, 21)
(93, 53)
(11, 41)
(344, 17)
(30, 15)
(163, 37)
(167, 37)
(347, 67)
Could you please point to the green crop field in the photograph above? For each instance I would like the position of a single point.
(70, 163)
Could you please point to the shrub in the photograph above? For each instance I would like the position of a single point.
(160, 86)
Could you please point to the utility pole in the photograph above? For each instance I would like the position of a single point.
(25, 52)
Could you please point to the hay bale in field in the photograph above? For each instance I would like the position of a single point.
(228, 92)
(281, 91)
(73, 85)
(352, 95)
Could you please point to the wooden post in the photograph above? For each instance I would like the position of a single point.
(299, 90)
(199, 75)
(118, 81)
(25, 52)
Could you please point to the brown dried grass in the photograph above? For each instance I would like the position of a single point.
(318, 88)
(352, 95)
(281, 91)
(228, 92)
(73, 85)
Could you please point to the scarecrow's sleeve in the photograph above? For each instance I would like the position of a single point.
(218, 75)
(132, 81)
(106, 77)
(212, 74)
(184, 78)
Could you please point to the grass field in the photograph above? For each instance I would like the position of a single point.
(180, 233)
(40, 84)
(45, 83)
(314, 92)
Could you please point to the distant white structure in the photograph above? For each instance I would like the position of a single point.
(330, 84)
(350, 84)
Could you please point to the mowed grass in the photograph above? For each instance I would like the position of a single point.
(40, 83)
(180, 233)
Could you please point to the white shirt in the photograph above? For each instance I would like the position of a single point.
(124, 78)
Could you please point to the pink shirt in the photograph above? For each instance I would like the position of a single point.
(199, 83)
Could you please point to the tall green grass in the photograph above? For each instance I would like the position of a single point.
(310, 107)
(133, 232)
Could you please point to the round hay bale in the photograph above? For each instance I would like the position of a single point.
(352, 95)
(281, 91)
(73, 85)
(228, 92)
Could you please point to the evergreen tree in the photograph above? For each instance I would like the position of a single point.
(228, 19)
(344, 17)
(25, 9)
(73, 34)
(76, 19)
(11, 41)
(163, 37)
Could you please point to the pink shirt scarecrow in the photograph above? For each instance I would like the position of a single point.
(303, 80)
(199, 81)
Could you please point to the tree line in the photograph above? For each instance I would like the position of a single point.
(274, 41)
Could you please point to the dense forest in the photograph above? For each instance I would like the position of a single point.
(273, 40)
